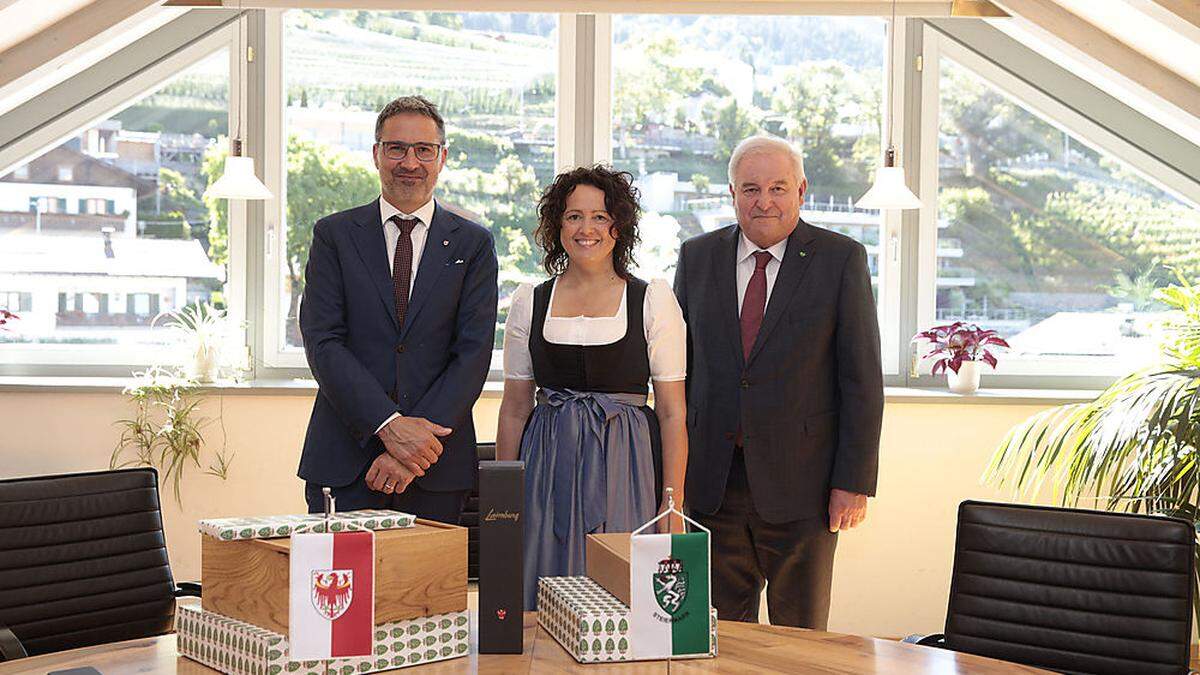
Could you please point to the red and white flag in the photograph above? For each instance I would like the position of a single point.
(331, 608)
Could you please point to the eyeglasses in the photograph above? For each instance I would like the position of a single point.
(397, 150)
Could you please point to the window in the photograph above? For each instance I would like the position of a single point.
(491, 75)
(1056, 245)
(16, 301)
(125, 239)
(687, 89)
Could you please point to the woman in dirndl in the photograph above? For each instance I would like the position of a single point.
(580, 351)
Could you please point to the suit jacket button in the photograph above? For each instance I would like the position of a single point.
(745, 383)
(400, 349)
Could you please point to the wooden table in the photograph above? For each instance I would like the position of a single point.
(743, 648)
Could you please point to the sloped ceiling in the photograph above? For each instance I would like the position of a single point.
(1145, 52)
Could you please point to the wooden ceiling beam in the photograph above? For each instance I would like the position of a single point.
(49, 46)
(921, 8)
(1188, 10)
(1052, 19)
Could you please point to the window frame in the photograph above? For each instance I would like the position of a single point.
(1060, 372)
(68, 359)
(278, 360)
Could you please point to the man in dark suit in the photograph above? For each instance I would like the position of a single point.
(398, 319)
(784, 391)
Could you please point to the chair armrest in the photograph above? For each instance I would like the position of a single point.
(931, 640)
(187, 589)
(11, 648)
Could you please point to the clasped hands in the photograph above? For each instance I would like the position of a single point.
(412, 447)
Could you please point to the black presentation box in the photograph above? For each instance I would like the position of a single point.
(501, 541)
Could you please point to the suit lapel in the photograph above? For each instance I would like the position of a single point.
(727, 297)
(440, 243)
(791, 271)
(372, 248)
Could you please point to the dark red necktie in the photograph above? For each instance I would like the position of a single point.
(402, 265)
(754, 303)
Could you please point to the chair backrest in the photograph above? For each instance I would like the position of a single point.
(83, 559)
(1072, 590)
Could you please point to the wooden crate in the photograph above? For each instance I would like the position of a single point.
(419, 571)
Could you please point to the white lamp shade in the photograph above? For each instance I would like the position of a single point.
(239, 181)
(889, 191)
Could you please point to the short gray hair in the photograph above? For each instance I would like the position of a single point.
(762, 142)
(410, 105)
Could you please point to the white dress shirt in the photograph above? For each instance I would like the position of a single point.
(745, 265)
(391, 234)
(420, 231)
(662, 323)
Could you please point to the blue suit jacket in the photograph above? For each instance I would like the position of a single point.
(368, 366)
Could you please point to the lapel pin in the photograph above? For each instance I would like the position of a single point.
(445, 242)
(803, 254)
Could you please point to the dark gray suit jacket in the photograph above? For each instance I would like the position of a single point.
(810, 397)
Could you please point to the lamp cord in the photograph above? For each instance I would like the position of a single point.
(891, 74)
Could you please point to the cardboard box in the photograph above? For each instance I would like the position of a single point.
(271, 527)
(589, 622)
(608, 562)
(419, 571)
(239, 648)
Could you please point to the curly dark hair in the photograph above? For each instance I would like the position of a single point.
(620, 200)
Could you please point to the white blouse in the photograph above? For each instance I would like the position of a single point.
(662, 321)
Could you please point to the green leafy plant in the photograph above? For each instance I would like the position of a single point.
(1133, 448)
(165, 429)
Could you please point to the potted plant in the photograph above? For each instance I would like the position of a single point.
(5, 317)
(958, 349)
(202, 328)
(165, 430)
(1135, 447)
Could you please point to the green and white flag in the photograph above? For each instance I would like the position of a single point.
(669, 595)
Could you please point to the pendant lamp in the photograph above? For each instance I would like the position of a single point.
(239, 180)
(889, 190)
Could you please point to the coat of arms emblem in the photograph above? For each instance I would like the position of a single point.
(332, 592)
(670, 585)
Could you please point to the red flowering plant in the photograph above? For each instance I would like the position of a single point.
(960, 341)
(5, 317)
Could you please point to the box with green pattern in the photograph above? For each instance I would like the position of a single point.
(270, 527)
(239, 648)
(588, 621)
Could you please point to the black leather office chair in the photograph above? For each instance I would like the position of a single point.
(83, 561)
(1071, 590)
(470, 516)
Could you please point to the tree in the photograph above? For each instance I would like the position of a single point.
(728, 124)
(650, 79)
(174, 208)
(815, 98)
(321, 180)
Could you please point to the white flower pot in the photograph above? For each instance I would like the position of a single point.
(205, 362)
(966, 381)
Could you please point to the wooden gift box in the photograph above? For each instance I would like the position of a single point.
(608, 563)
(420, 571)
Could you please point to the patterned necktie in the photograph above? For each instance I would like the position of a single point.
(402, 265)
(754, 303)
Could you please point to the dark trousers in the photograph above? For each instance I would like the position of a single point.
(794, 559)
(444, 507)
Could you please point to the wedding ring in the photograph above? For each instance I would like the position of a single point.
(387, 485)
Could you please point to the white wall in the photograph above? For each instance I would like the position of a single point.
(891, 577)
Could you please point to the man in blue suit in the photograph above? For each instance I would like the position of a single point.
(398, 320)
